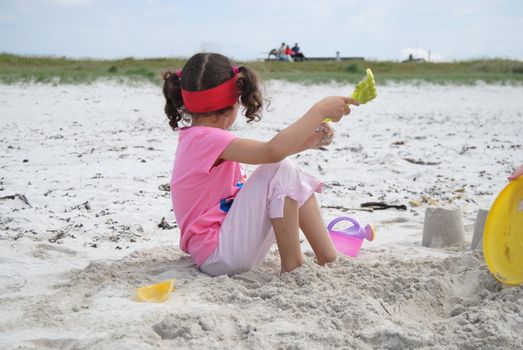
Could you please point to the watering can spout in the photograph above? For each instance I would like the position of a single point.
(369, 233)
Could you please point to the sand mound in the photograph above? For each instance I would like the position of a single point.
(381, 302)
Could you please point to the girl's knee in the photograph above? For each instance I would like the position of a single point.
(270, 170)
(285, 166)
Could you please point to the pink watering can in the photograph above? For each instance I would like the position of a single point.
(348, 241)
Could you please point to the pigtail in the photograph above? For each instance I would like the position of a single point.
(250, 95)
(173, 99)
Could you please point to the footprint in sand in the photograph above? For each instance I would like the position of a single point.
(11, 284)
(395, 220)
(45, 251)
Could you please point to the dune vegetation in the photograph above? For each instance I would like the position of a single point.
(61, 70)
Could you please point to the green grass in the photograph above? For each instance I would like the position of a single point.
(60, 70)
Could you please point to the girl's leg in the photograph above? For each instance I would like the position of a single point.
(286, 230)
(268, 201)
(313, 227)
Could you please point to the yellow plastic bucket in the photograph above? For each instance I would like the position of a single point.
(503, 235)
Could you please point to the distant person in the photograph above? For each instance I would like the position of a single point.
(297, 55)
(229, 222)
(338, 58)
(275, 53)
(517, 173)
(278, 53)
(288, 53)
(281, 52)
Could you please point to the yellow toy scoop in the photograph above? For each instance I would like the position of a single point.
(364, 91)
(155, 293)
(503, 235)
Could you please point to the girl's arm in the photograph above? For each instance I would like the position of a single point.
(292, 139)
(517, 173)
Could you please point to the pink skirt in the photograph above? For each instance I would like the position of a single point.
(246, 234)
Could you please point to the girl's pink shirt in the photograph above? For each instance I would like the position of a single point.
(199, 188)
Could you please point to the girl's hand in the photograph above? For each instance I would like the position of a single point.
(517, 173)
(335, 107)
(321, 137)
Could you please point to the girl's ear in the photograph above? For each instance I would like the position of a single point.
(231, 112)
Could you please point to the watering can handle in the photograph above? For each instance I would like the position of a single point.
(342, 218)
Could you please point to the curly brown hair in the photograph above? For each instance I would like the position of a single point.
(204, 71)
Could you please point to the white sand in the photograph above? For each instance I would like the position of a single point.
(97, 156)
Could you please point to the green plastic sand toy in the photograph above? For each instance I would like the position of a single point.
(365, 90)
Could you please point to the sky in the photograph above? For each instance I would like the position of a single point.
(246, 30)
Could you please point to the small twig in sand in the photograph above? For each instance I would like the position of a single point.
(382, 206)
(420, 162)
(465, 149)
(384, 308)
(19, 196)
(339, 207)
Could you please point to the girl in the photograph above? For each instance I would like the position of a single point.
(228, 224)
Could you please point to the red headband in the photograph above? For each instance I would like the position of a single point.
(214, 99)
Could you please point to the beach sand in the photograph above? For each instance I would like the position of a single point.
(85, 218)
